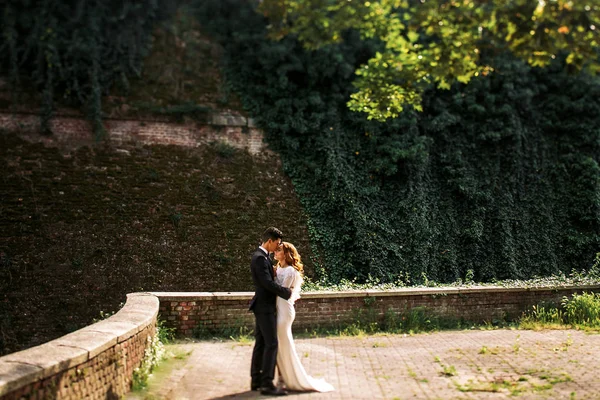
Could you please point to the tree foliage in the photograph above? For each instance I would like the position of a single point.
(440, 42)
(75, 50)
(499, 178)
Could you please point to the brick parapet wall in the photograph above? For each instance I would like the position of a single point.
(237, 131)
(95, 362)
(214, 311)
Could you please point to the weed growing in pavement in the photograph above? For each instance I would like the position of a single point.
(566, 345)
(447, 370)
(517, 345)
(165, 334)
(535, 381)
(172, 356)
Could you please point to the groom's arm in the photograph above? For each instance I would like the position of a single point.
(263, 276)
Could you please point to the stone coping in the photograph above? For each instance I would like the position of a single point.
(191, 296)
(27, 366)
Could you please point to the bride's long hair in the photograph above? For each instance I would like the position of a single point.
(292, 257)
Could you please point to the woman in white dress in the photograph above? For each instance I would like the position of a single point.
(291, 372)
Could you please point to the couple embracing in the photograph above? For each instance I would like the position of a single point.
(273, 307)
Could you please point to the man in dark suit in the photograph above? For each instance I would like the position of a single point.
(263, 304)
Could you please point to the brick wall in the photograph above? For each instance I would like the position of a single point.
(96, 362)
(234, 130)
(185, 311)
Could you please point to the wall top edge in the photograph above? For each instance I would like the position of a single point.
(190, 296)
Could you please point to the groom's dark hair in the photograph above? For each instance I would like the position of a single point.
(271, 233)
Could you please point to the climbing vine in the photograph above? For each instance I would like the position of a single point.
(496, 179)
(75, 51)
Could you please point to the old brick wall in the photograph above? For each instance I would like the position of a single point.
(184, 311)
(73, 131)
(214, 311)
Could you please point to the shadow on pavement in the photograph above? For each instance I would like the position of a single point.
(241, 395)
(254, 395)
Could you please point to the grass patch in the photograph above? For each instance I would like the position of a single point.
(174, 357)
(580, 311)
(153, 356)
(367, 321)
(486, 350)
(447, 370)
(534, 383)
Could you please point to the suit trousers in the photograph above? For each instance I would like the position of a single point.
(264, 355)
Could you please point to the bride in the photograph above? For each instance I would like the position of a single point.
(291, 371)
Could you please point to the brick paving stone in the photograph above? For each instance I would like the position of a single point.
(493, 364)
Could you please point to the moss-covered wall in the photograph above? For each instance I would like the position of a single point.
(81, 228)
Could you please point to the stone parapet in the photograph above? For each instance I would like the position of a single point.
(94, 362)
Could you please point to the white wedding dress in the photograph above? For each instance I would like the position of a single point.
(288, 363)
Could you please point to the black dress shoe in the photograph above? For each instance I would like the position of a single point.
(254, 386)
(272, 391)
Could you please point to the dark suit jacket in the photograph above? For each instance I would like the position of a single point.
(265, 288)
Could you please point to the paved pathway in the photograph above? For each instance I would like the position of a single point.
(495, 364)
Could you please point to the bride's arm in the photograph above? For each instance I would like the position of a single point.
(287, 276)
(293, 280)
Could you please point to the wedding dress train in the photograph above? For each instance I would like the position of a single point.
(288, 363)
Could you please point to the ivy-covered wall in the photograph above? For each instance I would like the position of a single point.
(497, 179)
(76, 51)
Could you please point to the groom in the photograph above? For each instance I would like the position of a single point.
(264, 355)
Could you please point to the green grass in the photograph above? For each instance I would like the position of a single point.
(580, 311)
(366, 321)
(175, 357)
(538, 382)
